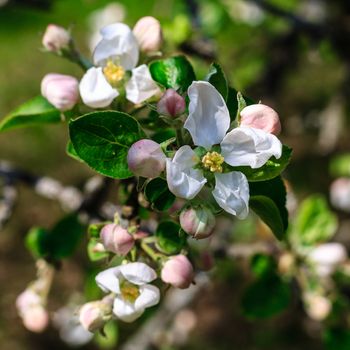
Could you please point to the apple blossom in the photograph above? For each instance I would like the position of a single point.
(148, 33)
(146, 158)
(115, 54)
(171, 104)
(56, 38)
(130, 284)
(116, 239)
(94, 315)
(340, 194)
(318, 306)
(178, 272)
(327, 257)
(262, 117)
(60, 90)
(208, 123)
(197, 222)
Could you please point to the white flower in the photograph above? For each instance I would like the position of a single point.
(327, 257)
(130, 284)
(208, 123)
(116, 53)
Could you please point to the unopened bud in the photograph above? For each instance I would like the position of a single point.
(197, 222)
(56, 38)
(262, 117)
(178, 272)
(146, 158)
(327, 257)
(171, 104)
(340, 194)
(117, 239)
(34, 316)
(94, 315)
(318, 307)
(148, 33)
(285, 263)
(62, 91)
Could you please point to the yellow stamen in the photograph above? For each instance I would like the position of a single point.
(113, 73)
(129, 291)
(213, 161)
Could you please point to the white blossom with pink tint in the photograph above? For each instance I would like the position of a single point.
(340, 194)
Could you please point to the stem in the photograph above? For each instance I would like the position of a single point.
(149, 251)
(179, 137)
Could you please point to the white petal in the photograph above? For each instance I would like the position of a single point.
(141, 86)
(138, 273)
(149, 296)
(183, 180)
(118, 44)
(209, 118)
(126, 311)
(232, 193)
(108, 280)
(250, 146)
(95, 90)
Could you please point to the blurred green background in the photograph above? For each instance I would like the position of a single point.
(291, 54)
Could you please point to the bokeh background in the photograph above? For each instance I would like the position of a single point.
(293, 55)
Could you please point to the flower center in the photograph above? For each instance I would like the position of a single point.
(213, 161)
(130, 292)
(113, 73)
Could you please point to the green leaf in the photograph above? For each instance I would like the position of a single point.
(272, 168)
(232, 103)
(268, 200)
(58, 243)
(265, 298)
(158, 194)
(337, 339)
(34, 112)
(169, 238)
(262, 265)
(217, 78)
(36, 242)
(93, 254)
(71, 151)
(174, 72)
(315, 222)
(163, 135)
(111, 337)
(269, 213)
(64, 237)
(102, 141)
(340, 165)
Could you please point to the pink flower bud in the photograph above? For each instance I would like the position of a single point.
(178, 272)
(60, 90)
(148, 33)
(197, 222)
(36, 319)
(146, 158)
(171, 104)
(340, 194)
(56, 38)
(94, 315)
(262, 117)
(29, 305)
(318, 307)
(117, 239)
